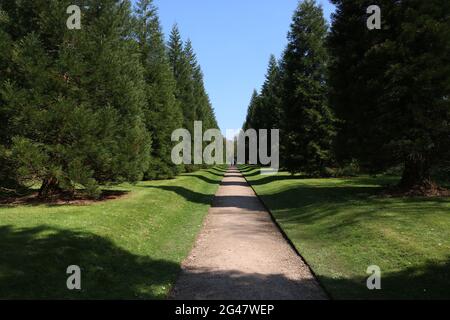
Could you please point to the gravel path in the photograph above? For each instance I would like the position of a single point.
(240, 253)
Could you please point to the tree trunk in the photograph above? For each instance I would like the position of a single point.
(50, 187)
(416, 174)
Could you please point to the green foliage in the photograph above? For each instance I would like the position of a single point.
(76, 98)
(308, 127)
(391, 92)
(128, 248)
(163, 114)
(294, 97)
(91, 106)
(183, 72)
(342, 226)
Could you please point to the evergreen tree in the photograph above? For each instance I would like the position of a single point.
(183, 74)
(308, 128)
(204, 110)
(271, 101)
(163, 112)
(391, 88)
(6, 48)
(269, 110)
(199, 92)
(190, 90)
(250, 122)
(77, 96)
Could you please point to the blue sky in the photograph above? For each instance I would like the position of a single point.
(233, 40)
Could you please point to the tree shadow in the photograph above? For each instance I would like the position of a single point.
(31, 199)
(308, 204)
(219, 169)
(273, 178)
(205, 283)
(189, 195)
(430, 280)
(33, 264)
(204, 179)
(246, 168)
(216, 172)
(250, 203)
(234, 183)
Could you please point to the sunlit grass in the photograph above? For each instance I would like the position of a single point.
(127, 248)
(342, 226)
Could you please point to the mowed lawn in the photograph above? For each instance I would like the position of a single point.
(342, 226)
(128, 248)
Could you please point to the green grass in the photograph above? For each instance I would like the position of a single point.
(342, 226)
(128, 248)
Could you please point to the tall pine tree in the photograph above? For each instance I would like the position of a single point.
(76, 96)
(183, 74)
(391, 87)
(308, 128)
(163, 112)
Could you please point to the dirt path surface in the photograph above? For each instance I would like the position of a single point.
(240, 253)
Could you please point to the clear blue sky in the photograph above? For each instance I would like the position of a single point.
(233, 40)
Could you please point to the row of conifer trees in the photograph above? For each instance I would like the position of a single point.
(95, 105)
(351, 97)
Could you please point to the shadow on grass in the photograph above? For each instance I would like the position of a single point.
(273, 178)
(189, 195)
(308, 204)
(31, 199)
(205, 283)
(254, 173)
(245, 202)
(216, 172)
(428, 281)
(337, 210)
(33, 264)
(205, 179)
(246, 168)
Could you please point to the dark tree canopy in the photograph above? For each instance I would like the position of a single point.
(163, 113)
(391, 87)
(90, 106)
(294, 97)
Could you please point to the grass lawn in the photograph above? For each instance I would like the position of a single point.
(342, 226)
(128, 248)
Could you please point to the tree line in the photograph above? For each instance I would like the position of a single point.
(95, 105)
(348, 97)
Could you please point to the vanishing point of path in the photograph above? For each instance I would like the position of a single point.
(241, 254)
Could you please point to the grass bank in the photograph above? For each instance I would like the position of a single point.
(128, 248)
(342, 226)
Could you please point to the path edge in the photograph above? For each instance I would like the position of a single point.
(288, 240)
(170, 294)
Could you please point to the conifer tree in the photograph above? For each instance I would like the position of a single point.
(204, 110)
(183, 74)
(6, 49)
(271, 96)
(190, 90)
(308, 122)
(77, 96)
(391, 87)
(250, 122)
(163, 112)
